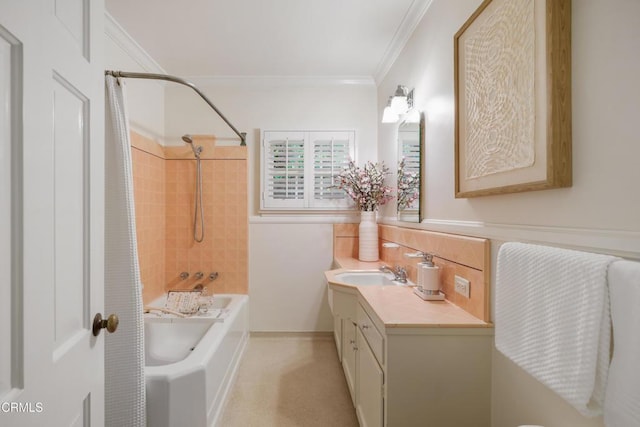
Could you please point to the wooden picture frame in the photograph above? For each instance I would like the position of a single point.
(512, 82)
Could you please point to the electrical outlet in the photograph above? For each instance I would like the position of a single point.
(462, 286)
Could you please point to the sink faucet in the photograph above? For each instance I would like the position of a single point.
(399, 273)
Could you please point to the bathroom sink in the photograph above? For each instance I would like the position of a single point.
(371, 278)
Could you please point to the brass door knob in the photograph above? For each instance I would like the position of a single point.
(110, 324)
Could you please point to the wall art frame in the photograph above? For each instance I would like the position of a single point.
(512, 84)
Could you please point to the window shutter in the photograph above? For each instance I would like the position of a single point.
(284, 167)
(298, 169)
(331, 153)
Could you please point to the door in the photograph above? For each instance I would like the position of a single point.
(349, 350)
(51, 212)
(370, 381)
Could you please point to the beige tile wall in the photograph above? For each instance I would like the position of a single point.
(468, 257)
(166, 249)
(149, 195)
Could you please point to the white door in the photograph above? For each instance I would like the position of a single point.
(51, 212)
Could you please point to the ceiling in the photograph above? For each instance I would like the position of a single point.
(283, 38)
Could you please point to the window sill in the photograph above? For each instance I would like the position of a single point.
(305, 217)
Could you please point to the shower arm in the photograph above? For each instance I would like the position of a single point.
(151, 76)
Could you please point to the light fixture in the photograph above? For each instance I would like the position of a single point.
(388, 115)
(402, 100)
(399, 104)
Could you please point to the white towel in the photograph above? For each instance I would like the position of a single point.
(622, 400)
(552, 319)
(124, 349)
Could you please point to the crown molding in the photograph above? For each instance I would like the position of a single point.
(121, 38)
(406, 28)
(270, 81)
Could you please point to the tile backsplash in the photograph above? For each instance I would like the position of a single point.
(467, 257)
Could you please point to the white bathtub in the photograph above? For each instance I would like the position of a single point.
(191, 362)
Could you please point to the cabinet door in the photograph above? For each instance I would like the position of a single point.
(370, 380)
(337, 334)
(349, 351)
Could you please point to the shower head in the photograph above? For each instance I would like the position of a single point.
(197, 149)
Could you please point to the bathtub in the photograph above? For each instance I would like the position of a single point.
(190, 363)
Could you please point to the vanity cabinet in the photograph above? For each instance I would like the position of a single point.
(361, 352)
(343, 303)
(369, 385)
(433, 376)
(412, 374)
(337, 334)
(370, 375)
(349, 357)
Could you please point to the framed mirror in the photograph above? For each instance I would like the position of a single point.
(409, 183)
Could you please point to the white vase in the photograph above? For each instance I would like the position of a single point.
(368, 237)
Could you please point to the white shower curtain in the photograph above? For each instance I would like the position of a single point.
(124, 349)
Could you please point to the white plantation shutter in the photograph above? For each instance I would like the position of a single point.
(284, 169)
(298, 169)
(331, 153)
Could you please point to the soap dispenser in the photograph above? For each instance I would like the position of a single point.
(428, 280)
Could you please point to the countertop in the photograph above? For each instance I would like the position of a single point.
(399, 307)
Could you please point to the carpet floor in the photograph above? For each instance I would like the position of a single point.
(289, 381)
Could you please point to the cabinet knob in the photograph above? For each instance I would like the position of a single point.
(365, 326)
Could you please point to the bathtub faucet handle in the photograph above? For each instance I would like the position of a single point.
(184, 275)
(198, 275)
(213, 276)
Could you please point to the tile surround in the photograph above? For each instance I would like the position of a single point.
(149, 189)
(164, 188)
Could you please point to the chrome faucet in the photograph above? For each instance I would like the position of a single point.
(399, 273)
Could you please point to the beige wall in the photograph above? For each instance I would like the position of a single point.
(599, 213)
(145, 98)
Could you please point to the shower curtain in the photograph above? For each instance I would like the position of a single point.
(124, 349)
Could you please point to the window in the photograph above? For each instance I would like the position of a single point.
(298, 169)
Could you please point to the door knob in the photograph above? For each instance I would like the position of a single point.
(110, 324)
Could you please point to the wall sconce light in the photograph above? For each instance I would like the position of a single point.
(402, 100)
(400, 103)
(388, 115)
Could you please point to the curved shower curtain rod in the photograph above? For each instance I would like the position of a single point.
(151, 76)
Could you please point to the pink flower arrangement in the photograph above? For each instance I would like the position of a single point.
(365, 186)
